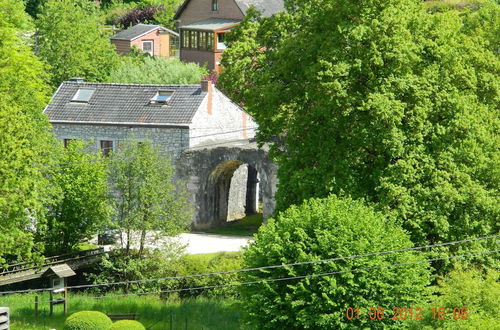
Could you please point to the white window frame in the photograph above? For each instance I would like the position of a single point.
(152, 46)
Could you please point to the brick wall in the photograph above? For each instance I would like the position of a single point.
(200, 57)
(151, 36)
(198, 10)
(170, 140)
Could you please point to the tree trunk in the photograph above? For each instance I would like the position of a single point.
(143, 240)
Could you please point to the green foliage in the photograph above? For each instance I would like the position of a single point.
(127, 325)
(83, 209)
(322, 229)
(72, 41)
(12, 12)
(122, 266)
(443, 5)
(24, 137)
(154, 70)
(87, 320)
(115, 10)
(205, 263)
(146, 198)
(405, 104)
(465, 288)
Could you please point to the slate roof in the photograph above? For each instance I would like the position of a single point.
(211, 24)
(60, 271)
(266, 7)
(139, 30)
(122, 104)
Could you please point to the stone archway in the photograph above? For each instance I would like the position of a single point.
(225, 183)
(233, 191)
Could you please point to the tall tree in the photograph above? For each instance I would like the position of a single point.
(380, 100)
(83, 209)
(145, 196)
(24, 136)
(72, 40)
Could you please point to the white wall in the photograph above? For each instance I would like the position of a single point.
(226, 123)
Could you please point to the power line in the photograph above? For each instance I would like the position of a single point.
(283, 278)
(85, 286)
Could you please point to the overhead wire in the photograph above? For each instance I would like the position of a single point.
(262, 281)
(86, 286)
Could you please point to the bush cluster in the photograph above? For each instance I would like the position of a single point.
(87, 320)
(92, 320)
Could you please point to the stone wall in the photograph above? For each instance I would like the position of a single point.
(170, 140)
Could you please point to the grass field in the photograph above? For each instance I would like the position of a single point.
(154, 313)
(243, 227)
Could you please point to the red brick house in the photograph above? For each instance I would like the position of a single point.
(153, 39)
(203, 24)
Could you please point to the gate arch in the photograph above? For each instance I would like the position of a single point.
(208, 174)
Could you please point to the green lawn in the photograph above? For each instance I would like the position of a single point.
(199, 313)
(243, 227)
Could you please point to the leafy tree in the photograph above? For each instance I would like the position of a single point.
(83, 208)
(404, 103)
(323, 229)
(145, 197)
(24, 137)
(152, 70)
(72, 40)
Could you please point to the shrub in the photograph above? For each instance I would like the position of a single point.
(151, 70)
(138, 15)
(469, 288)
(87, 320)
(321, 229)
(206, 263)
(127, 325)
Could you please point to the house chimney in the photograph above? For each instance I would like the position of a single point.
(76, 79)
(206, 86)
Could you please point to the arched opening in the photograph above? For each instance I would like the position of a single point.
(234, 192)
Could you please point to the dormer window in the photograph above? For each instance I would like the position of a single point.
(83, 95)
(215, 5)
(162, 97)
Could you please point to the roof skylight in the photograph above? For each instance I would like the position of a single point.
(83, 95)
(162, 97)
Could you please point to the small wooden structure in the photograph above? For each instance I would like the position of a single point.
(57, 276)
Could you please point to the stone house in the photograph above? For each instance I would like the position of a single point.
(152, 39)
(204, 23)
(173, 117)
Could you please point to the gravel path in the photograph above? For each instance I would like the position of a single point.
(196, 243)
(210, 243)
